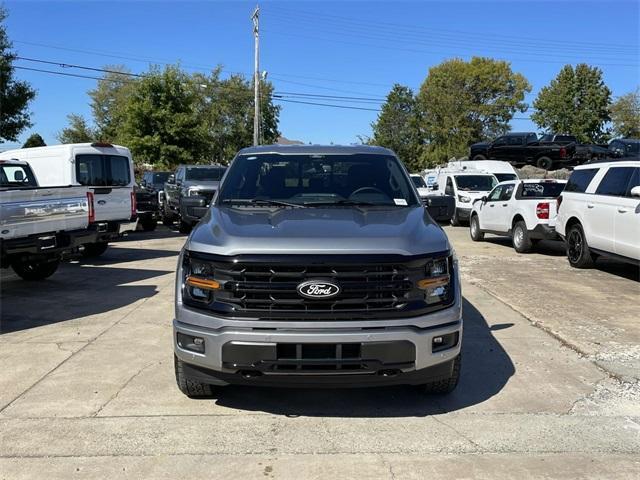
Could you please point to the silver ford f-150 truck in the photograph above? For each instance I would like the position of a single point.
(317, 266)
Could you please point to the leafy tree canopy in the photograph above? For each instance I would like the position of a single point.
(625, 115)
(34, 140)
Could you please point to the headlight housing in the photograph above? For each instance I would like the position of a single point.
(438, 284)
(198, 283)
(192, 192)
(464, 199)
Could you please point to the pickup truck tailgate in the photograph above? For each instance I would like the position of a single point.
(32, 211)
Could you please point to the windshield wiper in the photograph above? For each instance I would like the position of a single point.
(261, 202)
(355, 203)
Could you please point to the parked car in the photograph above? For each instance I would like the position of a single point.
(440, 207)
(625, 148)
(524, 210)
(39, 224)
(148, 194)
(465, 186)
(503, 171)
(524, 148)
(188, 193)
(599, 213)
(584, 152)
(105, 169)
(316, 266)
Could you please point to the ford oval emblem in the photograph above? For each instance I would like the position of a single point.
(318, 289)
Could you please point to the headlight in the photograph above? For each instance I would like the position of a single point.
(192, 192)
(464, 198)
(437, 285)
(197, 280)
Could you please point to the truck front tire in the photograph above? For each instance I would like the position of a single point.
(190, 387)
(445, 385)
(477, 235)
(149, 224)
(35, 269)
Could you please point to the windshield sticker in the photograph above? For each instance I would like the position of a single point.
(400, 201)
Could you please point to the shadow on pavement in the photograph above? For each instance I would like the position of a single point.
(125, 254)
(74, 291)
(486, 368)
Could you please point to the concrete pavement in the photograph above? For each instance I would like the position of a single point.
(549, 386)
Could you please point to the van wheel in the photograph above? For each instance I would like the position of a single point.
(149, 225)
(92, 250)
(184, 227)
(578, 252)
(455, 220)
(445, 385)
(520, 238)
(477, 235)
(479, 157)
(544, 163)
(35, 269)
(190, 387)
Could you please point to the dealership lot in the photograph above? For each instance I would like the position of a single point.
(549, 383)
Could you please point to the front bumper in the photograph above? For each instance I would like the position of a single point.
(463, 213)
(397, 351)
(192, 209)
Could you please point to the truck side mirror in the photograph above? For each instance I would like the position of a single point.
(171, 179)
(484, 199)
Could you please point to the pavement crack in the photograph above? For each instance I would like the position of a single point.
(115, 395)
(73, 354)
(479, 447)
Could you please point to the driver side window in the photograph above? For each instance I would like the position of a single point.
(500, 141)
(495, 194)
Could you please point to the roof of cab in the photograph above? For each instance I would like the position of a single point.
(316, 150)
(13, 161)
(617, 163)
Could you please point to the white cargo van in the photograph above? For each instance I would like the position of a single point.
(503, 171)
(465, 186)
(107, 170)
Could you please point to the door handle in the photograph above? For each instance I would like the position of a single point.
(492, 205)
(622, 210)
(590, 205)
(504, 204)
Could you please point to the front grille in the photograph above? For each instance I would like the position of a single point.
(266, 287)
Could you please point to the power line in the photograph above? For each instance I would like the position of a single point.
(348, 107)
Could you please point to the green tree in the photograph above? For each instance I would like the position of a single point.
(463, 102)
(398, 127)
(109, 100)
(162, 123)
(14, 95)
(78, 131)
(625, 115)
(34, 140)
(576, 102)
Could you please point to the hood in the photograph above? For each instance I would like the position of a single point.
(213, 185)
(400, 231)
(473, 194)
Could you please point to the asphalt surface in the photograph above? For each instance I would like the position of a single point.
(549, 382)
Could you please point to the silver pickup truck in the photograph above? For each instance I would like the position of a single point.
(317, 266)
(38, 225)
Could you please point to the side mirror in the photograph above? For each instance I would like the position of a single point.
(635, 191)
(178, 182)
(171, 179)
(484, 199)
(434, 186)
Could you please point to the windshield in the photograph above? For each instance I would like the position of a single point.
(160, 178)
(479, 183)
(418, 182)
(205, 174)
(505, 177)
(542, 189)
(16, 176)
(308, 180)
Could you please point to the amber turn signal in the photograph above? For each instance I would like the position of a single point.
(441, 281)
(202, 283)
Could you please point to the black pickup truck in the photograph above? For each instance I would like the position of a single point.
(148, 193)
(524, 148)
(585, 152)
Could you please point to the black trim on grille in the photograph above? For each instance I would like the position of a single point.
(265, 286)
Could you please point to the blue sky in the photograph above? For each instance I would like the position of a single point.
(347, 48)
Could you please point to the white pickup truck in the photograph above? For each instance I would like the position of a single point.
(525, 210)
(38, 225)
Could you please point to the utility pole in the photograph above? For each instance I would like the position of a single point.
(256, 76)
